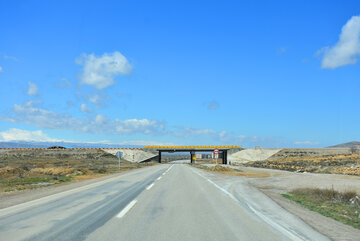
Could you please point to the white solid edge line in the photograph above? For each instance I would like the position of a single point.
(126, 209)
(259, 214)
(150, 186)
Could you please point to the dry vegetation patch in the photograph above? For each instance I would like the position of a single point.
(219, 169)
(335, 164)
(233, 171)
(54, 171)
(29, 169)
(341, 206)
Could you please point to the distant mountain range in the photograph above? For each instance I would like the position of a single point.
(31, 144)
(348, 144)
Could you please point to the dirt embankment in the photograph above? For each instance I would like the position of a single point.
(334, 164)
(257, 154)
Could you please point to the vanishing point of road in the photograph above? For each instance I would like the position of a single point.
(162, 202)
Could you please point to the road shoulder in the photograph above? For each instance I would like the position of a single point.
(15, 198)
(334, 230)
(277, 182)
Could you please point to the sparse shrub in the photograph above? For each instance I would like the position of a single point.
(64, 179)
(25, 168)
(40, 165)
(219, 168)
(10, 170)
(55, 171)
(84, 171)
(353, 149)
(326, 194)
(101, 170)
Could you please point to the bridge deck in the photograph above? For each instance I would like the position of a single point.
(190, 148)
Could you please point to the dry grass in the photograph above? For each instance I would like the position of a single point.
(259, 174)
(336, 164)
(328, 195)
(341, 206)
(87, 177)
(219, 169)
(54, 171)
(29, 169)
(233, 172)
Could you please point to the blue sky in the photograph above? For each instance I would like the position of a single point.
(211, 72)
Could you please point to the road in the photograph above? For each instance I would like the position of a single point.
(162, 202)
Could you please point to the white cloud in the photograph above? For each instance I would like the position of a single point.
(10, 57)
(98, 99)
(226, 137)
(64, 83)
(306, 143)
(101, 71)
(1, 69)
(100, 119)
(144, 125)
(24, 135)
(347, 49)
(213, 105)
(187, 132)
(84, 108)
(217, 136)
(29, 113)
(95, 99)
(33, 89)
(282, 50)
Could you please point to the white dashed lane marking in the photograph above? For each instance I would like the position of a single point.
(126, 209)
(150, 186)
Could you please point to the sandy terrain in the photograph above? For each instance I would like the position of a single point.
(284, 181)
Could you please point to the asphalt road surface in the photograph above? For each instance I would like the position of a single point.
(163, 202)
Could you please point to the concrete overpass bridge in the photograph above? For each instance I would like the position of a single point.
(146, 154)
(223, 150)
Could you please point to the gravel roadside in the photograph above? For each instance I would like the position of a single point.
(280, 182)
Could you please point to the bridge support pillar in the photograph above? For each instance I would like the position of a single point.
(224, 157)
(159, 156)
(192, 153)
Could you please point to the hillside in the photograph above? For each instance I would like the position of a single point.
(345, 145)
